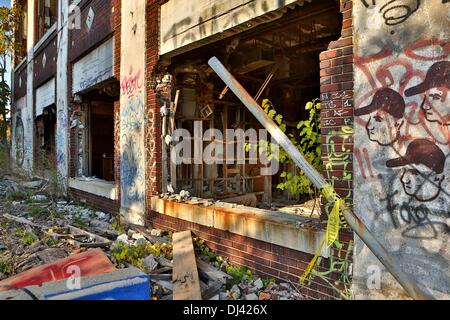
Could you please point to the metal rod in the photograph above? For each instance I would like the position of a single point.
(388, 260)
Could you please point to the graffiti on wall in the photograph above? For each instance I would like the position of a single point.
(394, 12)
(19, 143)
(402, 147)
(132, 111)
(132, 171)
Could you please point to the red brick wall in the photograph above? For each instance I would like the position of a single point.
(116, 22)
(337, 107)
(153, 142)
(265, 259)
(41, 73)
(100, 203)
(83, 40)
(20, 92)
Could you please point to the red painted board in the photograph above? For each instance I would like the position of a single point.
(90, 263)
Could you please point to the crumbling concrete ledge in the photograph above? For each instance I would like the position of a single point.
(264, 225)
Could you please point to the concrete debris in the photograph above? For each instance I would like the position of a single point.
(258, 284)
(156, 233)
(234, 293)
(101, 215)
(137, 236)
(39, 198)
(150, 263)
(123, 239)
(37, 239)
(51, 255)
(141, 242)
(33, 184)
(251, 297)
(264, 296)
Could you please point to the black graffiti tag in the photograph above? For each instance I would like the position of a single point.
(417, 218)
(394, 12)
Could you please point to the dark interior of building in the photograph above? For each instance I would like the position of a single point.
(278, 61)
(46, 143)
(101, 131)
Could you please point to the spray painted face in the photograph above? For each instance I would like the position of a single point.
(383, 128)
(437, 105)
(421, 182)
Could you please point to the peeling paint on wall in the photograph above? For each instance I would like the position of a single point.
(184, 22)
(402, 142)
(132, 107)
(62, 139)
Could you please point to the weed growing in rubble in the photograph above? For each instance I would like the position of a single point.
(27, 238)
(5, 161)
(17, 196)
(117, 224)
(135, 255)
(50, 241)
(6, 265)
(79, 223)
(38, 212)
(239, 274)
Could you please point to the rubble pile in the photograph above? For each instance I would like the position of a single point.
(37, 231)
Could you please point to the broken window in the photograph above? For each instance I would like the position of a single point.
(46, 139)
(21, 33)
(276, 62)
(95, 134)
(47, 16)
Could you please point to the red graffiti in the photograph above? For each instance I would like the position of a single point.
(429, 45)
(411, 75)
(129, 85)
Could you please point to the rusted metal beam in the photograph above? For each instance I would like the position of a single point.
(389, 261)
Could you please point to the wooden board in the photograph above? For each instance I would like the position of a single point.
(186, 283)
(213, 274)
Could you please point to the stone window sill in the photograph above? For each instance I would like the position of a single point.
(269, 226)
(94, 186)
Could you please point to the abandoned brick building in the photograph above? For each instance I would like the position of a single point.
(99, 84)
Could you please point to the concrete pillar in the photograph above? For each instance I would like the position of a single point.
(28, 111)
(62, 132)
(402, 150)
(132, 111)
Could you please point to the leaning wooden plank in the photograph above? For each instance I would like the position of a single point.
(21, 220)
(95, 240)
(186, 283)
(212, 273)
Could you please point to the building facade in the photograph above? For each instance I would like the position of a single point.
(102, 88)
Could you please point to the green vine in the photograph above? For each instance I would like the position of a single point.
(307, 140)
(338, 265)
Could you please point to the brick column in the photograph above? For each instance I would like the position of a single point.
(116, 25)
(336, 79)
(153, 127)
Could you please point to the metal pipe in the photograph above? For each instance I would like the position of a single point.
(390, 262)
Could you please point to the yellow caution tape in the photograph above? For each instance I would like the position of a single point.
(312, 263)
(328, 192)
(334, 223)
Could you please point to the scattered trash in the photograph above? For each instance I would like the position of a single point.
(88, 263)
(41, 238)
(126, 284)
